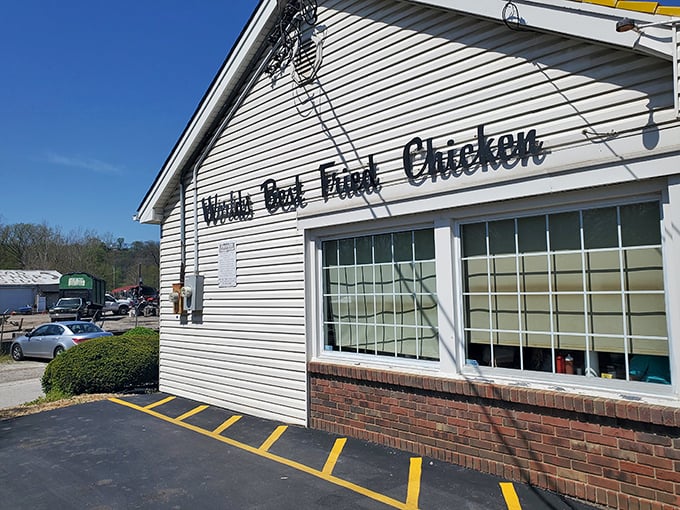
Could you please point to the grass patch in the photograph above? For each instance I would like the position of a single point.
(5, 358)
(52, 396)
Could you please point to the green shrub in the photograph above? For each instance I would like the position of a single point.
(106, 365)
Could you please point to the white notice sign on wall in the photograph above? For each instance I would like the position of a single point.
(227, 264)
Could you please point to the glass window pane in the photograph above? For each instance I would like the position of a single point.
(365, 310)
(330, 343)
(647, 315)
(571, 342)
(505, 314)
(427, 311)
(568, 272)
(648, 368)
(501, 237)
(366, 338)
(640, 224)
(382, 247)
(536, 313)
(538, 340)
(346, 249)
(330, 253)
(424, 244)
(346, 336)
(477, 308)
(534, 273)
(600, 228)
(607, 344)
(606, 314)
(475, 276)
(565, 231)
(403, 246)
(429, 344)
(331, 278)
(503, 274)
(474, 239)
(649, 346)
(347, 280)
(603, 272)
(569, 312)
(364, 250)
(579, 293)
(364, 276)
(384, 309)
(426, 278)
(404, 278)
(332, 309)
(405, 310)
(644, 269)
(531, 234)
(347, 309)
(385, 340)
(384, 278)
(407, 342)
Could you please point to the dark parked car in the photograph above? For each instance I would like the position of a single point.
(72, 308)
(51, 339)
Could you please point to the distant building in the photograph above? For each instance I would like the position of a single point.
(36, 288)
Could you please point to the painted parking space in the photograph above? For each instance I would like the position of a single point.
(390, 478)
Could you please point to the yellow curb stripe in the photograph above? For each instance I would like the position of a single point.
(376, 496)
(195, 410)
(273, 437)
(414, 475)
(333, 456)
(511, 499)
(160, 402)
(228, 423)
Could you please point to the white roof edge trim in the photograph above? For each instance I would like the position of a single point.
(224, 83)
(573, 19)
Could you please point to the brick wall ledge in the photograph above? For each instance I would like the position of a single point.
(653, 414)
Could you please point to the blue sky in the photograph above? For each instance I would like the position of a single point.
(93, 97)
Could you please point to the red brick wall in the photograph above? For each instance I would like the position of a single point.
(616, 453)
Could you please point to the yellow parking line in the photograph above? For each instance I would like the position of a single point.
(376, 496)
(414, 474)
(195, 410)
(511, 499)
(159, 403)
(333, 456)
(273, 437)
(228, 423)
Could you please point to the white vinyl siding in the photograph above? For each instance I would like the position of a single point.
(390, 71)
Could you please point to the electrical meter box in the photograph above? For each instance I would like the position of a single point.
(192, 292)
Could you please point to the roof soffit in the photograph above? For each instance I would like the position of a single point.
(593, 20)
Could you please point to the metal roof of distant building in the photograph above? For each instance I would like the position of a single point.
(16, 277)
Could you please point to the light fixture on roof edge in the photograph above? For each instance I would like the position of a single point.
(628, 24)
(625, 25)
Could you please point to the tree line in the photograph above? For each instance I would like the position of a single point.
(39, 246)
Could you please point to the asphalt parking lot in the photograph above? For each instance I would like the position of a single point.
(157, 451)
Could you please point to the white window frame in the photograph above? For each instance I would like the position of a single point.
(629, 389)
(446, 224)
(314, 244)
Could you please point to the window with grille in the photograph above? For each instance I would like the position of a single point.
(577, 292)
(379, 295)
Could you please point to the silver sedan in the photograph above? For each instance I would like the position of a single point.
(50, 340)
